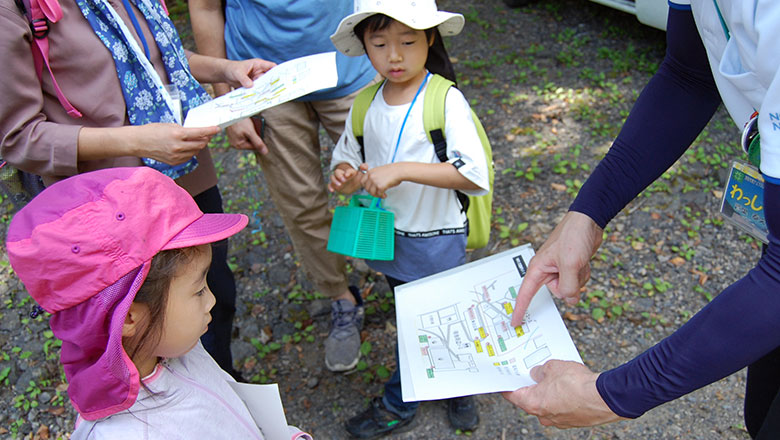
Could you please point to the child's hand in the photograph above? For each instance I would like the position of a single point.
(244, 136)
(344, 179)
(378, 180)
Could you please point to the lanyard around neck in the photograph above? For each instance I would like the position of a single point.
(137, 27)
(403, 124)
(141, 56)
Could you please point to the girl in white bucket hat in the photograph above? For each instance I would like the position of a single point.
(422, 15)
(416, 14)
(393, 158)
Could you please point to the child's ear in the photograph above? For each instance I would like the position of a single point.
(431, 39)
(135, 319)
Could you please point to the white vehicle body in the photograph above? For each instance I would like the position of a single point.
(650, 12)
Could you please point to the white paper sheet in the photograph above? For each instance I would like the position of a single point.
(454, 332)
(285, 82)
(265, 406)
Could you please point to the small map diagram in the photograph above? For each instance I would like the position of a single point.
(451, 338)
(455, 336)
(285, 82)
(241, 104)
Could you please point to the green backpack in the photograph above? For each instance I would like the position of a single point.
(479, 209)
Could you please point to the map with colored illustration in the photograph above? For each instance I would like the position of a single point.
(455, 335)
(285, 82)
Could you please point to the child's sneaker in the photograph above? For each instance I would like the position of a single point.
(342, 347)
(376, 421)
(462, 412)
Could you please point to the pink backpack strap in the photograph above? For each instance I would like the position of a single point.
(43, 12)
(46, 8)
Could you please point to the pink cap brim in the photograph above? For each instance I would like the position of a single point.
(208, 229)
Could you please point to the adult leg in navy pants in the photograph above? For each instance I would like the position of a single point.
(222, 284)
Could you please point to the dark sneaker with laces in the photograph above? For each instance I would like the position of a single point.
(376, 421)
(462, 412)
(342, 347)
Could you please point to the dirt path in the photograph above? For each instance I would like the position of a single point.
(552, 83)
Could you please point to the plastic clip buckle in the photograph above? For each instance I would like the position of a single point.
(40, 28)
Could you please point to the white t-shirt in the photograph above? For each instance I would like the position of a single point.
(746, 66)
(418, 208)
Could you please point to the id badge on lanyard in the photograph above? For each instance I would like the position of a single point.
(743, 200)
(743, 197)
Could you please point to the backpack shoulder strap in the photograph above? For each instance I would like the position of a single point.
(433, 122)
(50, 9)
(433, 113)
(42, 13)
(359, 109)
(24, 7)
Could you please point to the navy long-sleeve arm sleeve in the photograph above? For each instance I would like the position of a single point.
(671, 111)
(741, 324)
(737, 328)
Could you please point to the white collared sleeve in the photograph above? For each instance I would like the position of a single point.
(464, 149)
(767, 71)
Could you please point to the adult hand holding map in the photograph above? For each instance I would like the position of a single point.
(285, 82)
(454, 332)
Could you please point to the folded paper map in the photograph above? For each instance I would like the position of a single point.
(265, 405)
(454, 332)
(285, 82)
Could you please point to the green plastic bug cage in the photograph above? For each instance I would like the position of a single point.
(363, 229)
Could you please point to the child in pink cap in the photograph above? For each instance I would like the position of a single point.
(119, 258)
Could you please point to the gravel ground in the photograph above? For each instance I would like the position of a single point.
(552, 83)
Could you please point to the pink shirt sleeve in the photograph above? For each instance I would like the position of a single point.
(36, 133)
(30, 140)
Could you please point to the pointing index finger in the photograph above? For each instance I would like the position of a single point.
(532, 282)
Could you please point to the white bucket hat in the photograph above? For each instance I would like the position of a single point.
(417, 14)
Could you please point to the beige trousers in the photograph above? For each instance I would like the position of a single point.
(293, 172)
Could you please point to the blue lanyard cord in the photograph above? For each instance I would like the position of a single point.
(403, 124)
(137, 27)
